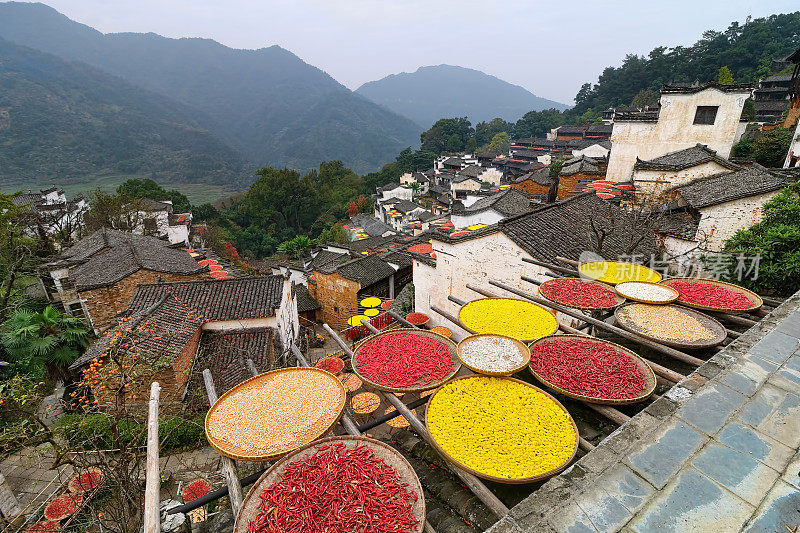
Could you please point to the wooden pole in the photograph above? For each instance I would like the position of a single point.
(452, 319)
(733, 319)
(554, 268)
(491, 501)
(677, 354)
(585, 445)
(774, 302)
(152, 496)
(228, 466)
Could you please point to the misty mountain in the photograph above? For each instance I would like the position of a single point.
(267, 103)
(441, 91)
(62, 121)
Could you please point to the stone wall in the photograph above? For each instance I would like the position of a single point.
(338, 297)
(105, 303)
(650, 183)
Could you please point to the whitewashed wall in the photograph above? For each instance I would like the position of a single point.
(650, 182)
(675, 130)
(487, 216)
(493, 257)
(720, 222)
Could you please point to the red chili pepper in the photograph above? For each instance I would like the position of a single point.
(579, 293)
(710, 295)
(336, 489)
(403, 359)
(589, 368)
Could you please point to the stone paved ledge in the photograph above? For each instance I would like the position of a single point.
(718, 452)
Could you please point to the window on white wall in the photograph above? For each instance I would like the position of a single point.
(706, 114)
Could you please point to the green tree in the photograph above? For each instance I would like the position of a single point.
(49, 338)
(645, 97)
(205, 212)
(590, 116)
(296, 247)
(537, 123)
(771, 148)
(555, 166)
(776, 240)
(485, 131)
(147, 188)
(724, 76)
(749, 110)
(454, 143)
(743, 148)
(440, 137)
(500, 144)
(18, 254)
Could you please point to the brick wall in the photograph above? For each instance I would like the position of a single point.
(532, 187)
(567, 183)
(104, 303)
(338, 297)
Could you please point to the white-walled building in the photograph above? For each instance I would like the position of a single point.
(48, 211)
(653, 177)
(496, 251)
(708, 114)
(492, 209)
(157, 218)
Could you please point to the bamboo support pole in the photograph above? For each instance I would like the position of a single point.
(585, 445)
(235, 493)
(152, 497)
(734, 319)
(491, 501)
(677, 354)
(452, 319)
(774, 302)
(555, 268)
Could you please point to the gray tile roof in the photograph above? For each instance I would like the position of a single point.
(122, 260)
(463, 177)
(540, 176)
(508, 203)
(150, 205)
(401, 259)
(691, 89)
(721, 188)
(216, 299)
(105, 238)
(326, 257)
(372, 226)
(405, 207)
(678, 224)
(366, 270)
(581, 164)
(160, 329)
(682, 159)
(305, 302)
(472, 170)
(563, 229)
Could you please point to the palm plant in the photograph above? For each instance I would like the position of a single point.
(51, 338)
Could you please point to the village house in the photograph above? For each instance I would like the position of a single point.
(97, 276)
(453, 163)
(187, 326)
(339, 287)
(577, 172)
(727, 202)
(595, 149)
(708, 114)
(158, 219)
(491, 209)
(422, 181)
(567, 133)
(483, 174)
(793, 115)
(559, 229)
(50, 214)
(538, 183)
(653, 177)
(461, 185)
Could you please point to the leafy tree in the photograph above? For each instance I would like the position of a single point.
(440, 137)
(584, 93)
(49, 338)
(749, 110)
(537, 123)
(296, 247)
(500, 144)
(776, 239)
(645, 97)
(724, 76)
(18, 254)
(590, 116)
(555, 166)
(744, 148)
(771, 148)
(147, 188)
(117, 211)
(205, 212)
(352, 210)
(485, 131)
(471, 146)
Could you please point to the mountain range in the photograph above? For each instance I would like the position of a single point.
(80, 105)
(441, 91)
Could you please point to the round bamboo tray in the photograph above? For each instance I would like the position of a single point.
(622, 288)
(620, 315)
(451, 346)
(523, 348)
(532, 306)
(591, 269)
(619, 299)
(754, 298)
(234, 452)
(649, 376)
(389, 455)
(517, 481)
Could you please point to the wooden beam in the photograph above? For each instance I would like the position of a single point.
(677, 354)
(585, 445)
(228, 466)
(491, 501)
(152, 491)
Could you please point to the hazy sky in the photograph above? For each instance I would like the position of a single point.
(549, 47)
